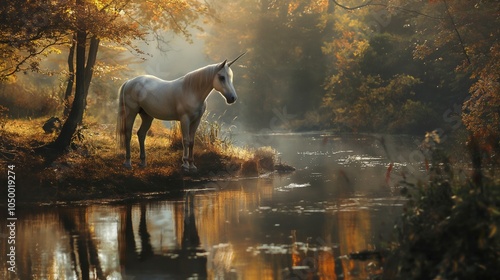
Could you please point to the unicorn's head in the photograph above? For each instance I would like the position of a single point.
(223, 81)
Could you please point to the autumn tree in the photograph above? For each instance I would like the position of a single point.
(28, 31)
(392, 39)
(469, 31)
(84, 25)
(372, 83)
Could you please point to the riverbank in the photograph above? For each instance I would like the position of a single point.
(93, 169)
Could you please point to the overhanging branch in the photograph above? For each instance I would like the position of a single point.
(370, 3)
(462, 45)
(4, 73)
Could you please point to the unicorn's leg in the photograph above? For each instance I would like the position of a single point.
(185, 142)
(192, 131)
(141, 134)
(128, 136)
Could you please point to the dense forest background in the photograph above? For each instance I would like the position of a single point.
(388, 66)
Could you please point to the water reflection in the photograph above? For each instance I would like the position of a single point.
(300, 226)
(142, 260)
(224, 235)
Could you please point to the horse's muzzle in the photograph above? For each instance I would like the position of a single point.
(230, 99)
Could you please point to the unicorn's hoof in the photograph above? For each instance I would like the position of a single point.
(193, 169)
(185, 168)
(143, 165)
(127, 165)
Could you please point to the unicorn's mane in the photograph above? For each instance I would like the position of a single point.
(200, 79)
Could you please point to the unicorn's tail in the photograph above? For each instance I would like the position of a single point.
(121, 119)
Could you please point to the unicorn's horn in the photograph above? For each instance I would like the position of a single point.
(229, 63)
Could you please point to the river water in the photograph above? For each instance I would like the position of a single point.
(301, 225)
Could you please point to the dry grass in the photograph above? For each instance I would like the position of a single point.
(266, 157)
(93, 167)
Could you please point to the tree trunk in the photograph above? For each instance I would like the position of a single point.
(75, 117)
(89, 68)
(71, 78)
(84, 72)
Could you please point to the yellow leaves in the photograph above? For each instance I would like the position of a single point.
(360, 47)
(104, 70)
(432, 137)
(292, 7)
(100, 4)
(52, 50)
(481, 115)
(422, 50)
(493, 231)
(317, 6)
(6, 80)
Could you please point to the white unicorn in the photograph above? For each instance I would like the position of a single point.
(183, 99)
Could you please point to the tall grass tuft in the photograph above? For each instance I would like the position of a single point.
(215, 137)
(210, 136)
(266, 158)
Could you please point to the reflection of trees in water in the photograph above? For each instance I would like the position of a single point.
(324, 258)
(184, 262)
(354, 229)
(137, 256)
(83, 253)
(163, 239)
(36, 235)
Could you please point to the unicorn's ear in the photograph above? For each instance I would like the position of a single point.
(221, 65)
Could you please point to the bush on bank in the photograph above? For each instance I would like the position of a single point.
(449, 228)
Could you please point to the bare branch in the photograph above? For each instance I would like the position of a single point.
(462, 45)
(4, 73)
(354, 8)
(370, 3)
(18, 67)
